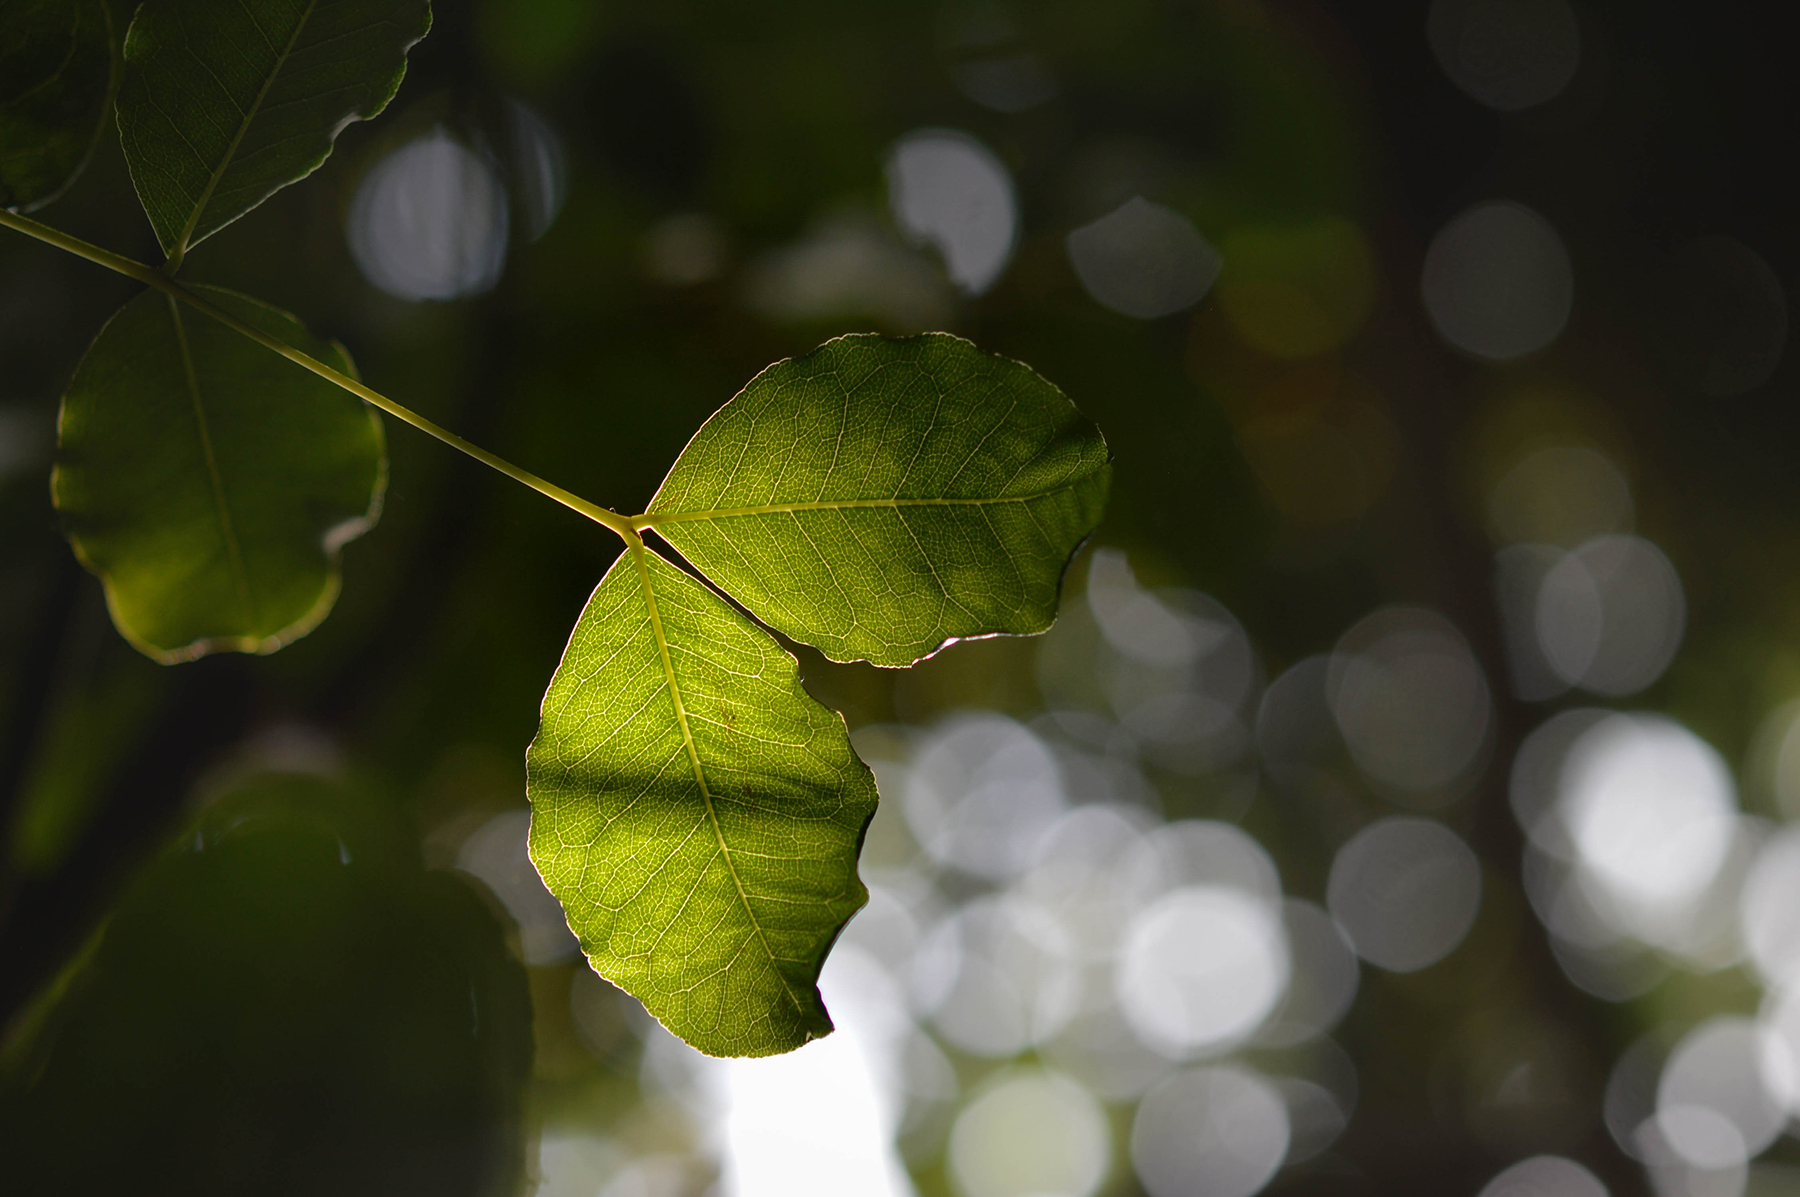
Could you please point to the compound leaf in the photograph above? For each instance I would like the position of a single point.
(210, 483)
(878, 498)
(696, 812)
(223, 103)
(56, 64)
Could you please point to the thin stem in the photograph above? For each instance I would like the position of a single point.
(154, 278)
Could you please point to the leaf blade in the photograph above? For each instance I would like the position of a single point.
(879, 498)
(696, 812)
(210, 484)
(219, 109)
(56, 68)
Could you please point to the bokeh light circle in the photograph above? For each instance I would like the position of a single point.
(1405, 891)
(1210, 1132)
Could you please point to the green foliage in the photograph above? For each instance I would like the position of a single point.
(207, 482)
(877, 499)
(56, 62)
(285, 1001)
(697, 813)
(222, 105)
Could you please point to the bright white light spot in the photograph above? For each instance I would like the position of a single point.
(571, 1164)
(1610, 615)
(1144, 260)
(998, 977)
(1405, 891)
(1411, 702)
(497, 853)
(1083, 873)
(948, 191)
(820, 1121)
(1209, 1132)
(1560, 495)
(1208, 852)
(429, 221)
(1497, 281)
(1650, 811)
(1508, 54)
(1770, 908)
(983, 790)
(1099, 1049)
(654, 1176)
(1780, 1063)
(1034, 1134)
(1324, 981)
(1545, 1176)
(1201, 969)
(1716, 1073)
(847, 265)
(1175, 630)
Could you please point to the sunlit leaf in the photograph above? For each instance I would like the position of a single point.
(877, 498)
(224, 103)
(55, 74)
(209, 482)
(696, 812)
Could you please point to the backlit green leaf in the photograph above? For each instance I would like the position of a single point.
(696, 812)
(877, 498)
(223, 103)
(209, 482)
(55, 73)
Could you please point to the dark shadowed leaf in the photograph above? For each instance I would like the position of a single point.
(210, 483)
(222, 103)
(696, 812)
(877, 498)
(55, 75)
(283, 1002)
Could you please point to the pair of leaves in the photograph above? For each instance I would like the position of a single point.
(209, 483)
(695, 811)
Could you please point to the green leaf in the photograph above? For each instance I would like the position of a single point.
(56, 64)
(879, 498)
(210, 483)
(696, 812)
(223, 103)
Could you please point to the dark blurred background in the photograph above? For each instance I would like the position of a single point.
(1407, 802)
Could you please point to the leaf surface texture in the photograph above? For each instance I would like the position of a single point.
(55, 76)
(225, 102)
(878, 498)
(210, 483)
(696, 812)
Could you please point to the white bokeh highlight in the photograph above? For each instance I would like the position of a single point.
(429, 221)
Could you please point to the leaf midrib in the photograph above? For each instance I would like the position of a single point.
(657, 519)
(212, 183)
(639, 553)
(233, 551)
